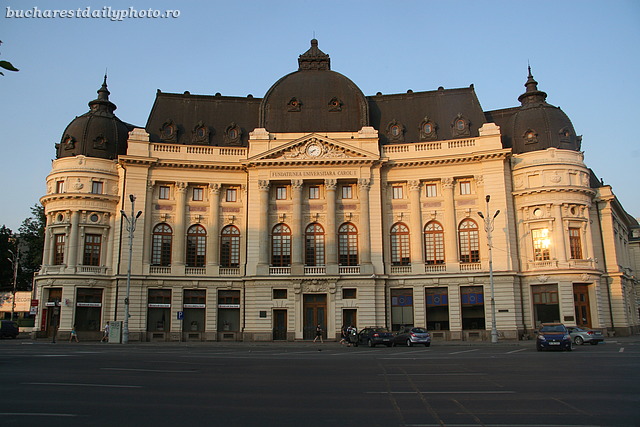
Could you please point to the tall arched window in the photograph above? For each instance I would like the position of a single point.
(314, 245)
(196, 246)
(161, 245)
(469, 244)
(400, 254)
(281, 246)
(348, 244)
(434, 243)
(230, 247)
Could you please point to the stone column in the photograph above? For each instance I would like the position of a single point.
(147, 217)
(178, 255)
(110, 243)
(331, 246)
(264, 248)
(297, 232)
(213, 242)
(560, 234)
(587, 243)
(49, 239)
(417, 257)
(74, 242)
(364, 185)
(450, 228)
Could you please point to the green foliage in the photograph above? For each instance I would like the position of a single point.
(7, 242)
(6, 65)
(31, 246)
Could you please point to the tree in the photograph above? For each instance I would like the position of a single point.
(7, 242)
(6, 65)
(31, 243)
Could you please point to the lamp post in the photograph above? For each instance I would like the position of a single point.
(488, 227)
(14, 260)
(131, 227)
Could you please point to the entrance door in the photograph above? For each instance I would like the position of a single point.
(315, 308)
(581, 302)
(279, 325)
(349, 317)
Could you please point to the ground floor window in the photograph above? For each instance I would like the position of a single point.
(159, 310)
(194, 304)
(472, 302)
(437, 309)
(228, 311)
(545, 303)
(350, 317)
(401, 308)
(88, 309)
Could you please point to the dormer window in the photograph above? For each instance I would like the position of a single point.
(335, 104)
(565, 135)
(200, 133)
(530, 136)
(427, 130)
(232, 134)
(294, 105)
(100, 143)
(169, 132)
(395, 131)
(460, 126)
(69, 142)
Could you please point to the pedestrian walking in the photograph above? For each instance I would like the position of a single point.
(105, 336)
(74, 334)
(318, 334)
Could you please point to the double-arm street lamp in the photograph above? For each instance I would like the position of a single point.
(14, 260)
(488, 227)
(131, 227)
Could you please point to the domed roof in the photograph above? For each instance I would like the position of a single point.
(97, 133)
(538, 125)
(313, 99)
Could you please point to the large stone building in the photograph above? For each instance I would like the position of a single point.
(316, 204)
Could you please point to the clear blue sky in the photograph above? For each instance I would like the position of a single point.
(584, 54)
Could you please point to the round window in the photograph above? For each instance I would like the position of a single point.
(537, 212)
(460, 124)
(60, 218)
(426, 128)
(94, 217)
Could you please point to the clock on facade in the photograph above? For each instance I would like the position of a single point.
(314, 150)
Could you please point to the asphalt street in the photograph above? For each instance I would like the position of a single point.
(305, 384)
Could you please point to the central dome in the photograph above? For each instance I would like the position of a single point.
(314, 99)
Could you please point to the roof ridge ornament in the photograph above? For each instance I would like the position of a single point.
(532, 96)
(102, 103)
(314, 59)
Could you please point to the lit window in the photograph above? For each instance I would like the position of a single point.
(397, 192)
(432, 190)
(59, 186)
(58, 257)
(465, 187)
(198, 194)
(281, 193)
(232, 195)
(314, 192)
(469, 242)
(347, 192)
(161, 245)
(575, 243)
(96, 187)
(163, 193)
(400, 254)
(541, 244)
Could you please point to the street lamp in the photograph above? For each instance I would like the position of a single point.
(14, 260)
(131, 227)
(488, 227)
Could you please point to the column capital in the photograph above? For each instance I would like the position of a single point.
(330, 184)
(479, 180)
(364, 184)
(447, 183)
(181, 187)
(214, 188)
(415, 185)
(150, 185)
(264, 184)
(297, 184)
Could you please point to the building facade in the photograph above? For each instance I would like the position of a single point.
(262, 218)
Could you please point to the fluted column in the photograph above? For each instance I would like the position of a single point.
(587, 242)
(110, 240)
(264, 247)
(560, 234)
(74, 240)
(450, 228)
(147, 217)
(178, 256)
(47, 258)
(417, 256)
(297, 235)
(213, 241)
(330, 242)
(364, 185)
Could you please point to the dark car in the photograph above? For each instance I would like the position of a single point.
(373, 336)
(412, 335)
(553, 336)
(581, 336)
(9, 328)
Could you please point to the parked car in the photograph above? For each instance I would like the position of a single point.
(412, 335)
(581, 336)
(373, 336)
(9, 328)
(555, 336)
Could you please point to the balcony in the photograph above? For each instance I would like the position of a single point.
(90, 269)
(279, 271)
(470, 266)
(195, 271)
(159, 269)
(314, 270)
(400, 269)
(345, 270)
(229, 271)
(435, 268)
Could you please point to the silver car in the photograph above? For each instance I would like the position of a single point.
(412, 335)
(580, 336)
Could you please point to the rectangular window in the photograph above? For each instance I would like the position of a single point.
(160, 297)
(195, 297)
(96, 187)
(58, 257)
(198, 194)
(545, 303)
(401, 308)
(472, 305)
(279, 294)
(88, 309)
(349, 293)
(541, 244)
(437, 309)
(92, 249)
(314, 192)
(229, 297)
(281, 193)
(232, 195)
(432, 190)
(59, 186)
(397, 192)
(465, 187)
(163, 192)
(347, 192)
(575, 244)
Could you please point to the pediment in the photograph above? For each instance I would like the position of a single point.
(314, 147)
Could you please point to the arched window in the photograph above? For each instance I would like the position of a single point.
(314, 245)
(230, 247)
(348, 244)
(434, 243)
(196, 246)
(281, 246)
(400, 254)
(469, 244)
(161, 245)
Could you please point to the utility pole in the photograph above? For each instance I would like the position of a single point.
(14, 260)
(131, 227)
(488, 227)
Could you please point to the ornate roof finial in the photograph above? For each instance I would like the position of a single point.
(102, 103)
(532, 95)
(314, 59)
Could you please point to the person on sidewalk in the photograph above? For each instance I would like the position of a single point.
(318, 334)
(105, 336)
(74, 334)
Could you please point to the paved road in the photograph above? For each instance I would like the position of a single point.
(303, 384)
